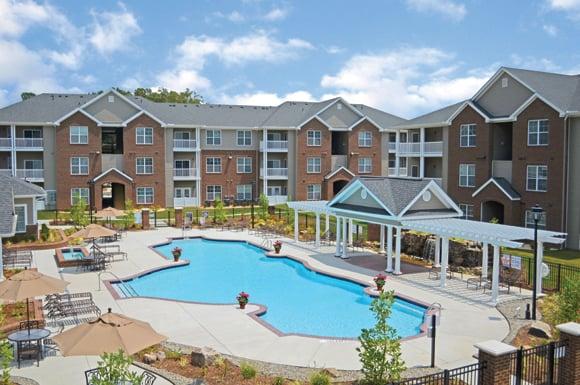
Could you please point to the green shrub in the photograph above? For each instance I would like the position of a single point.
(319, 378)
(564, 306)
(278, 381)
(44, 232)
(248, 371)
(114, 369)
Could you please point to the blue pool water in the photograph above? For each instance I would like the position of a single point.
(298, 299)
(71, 255)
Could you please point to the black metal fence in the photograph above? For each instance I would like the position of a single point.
(537, 366)
(556, 277)
(465, 375)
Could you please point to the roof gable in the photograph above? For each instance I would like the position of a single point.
(113, 170)
(109, 108)
(502, 185)
(503, 96)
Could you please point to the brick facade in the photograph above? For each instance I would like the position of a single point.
(355, 152)
(324, 151)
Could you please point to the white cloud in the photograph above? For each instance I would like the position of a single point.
(182, 79)
(564, 5)
(550, 29)
(404, 81)
(234, 16)
(535, 63)
(334, 49)
(276, 14)
(3, 97)
(261, 98)
(17, 17)
(113, 31)
(447, 8)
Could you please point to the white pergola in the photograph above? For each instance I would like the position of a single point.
(444, 228)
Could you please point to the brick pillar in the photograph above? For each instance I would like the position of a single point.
(570, 363)
(497, 357)
(145, 219)
(179, 217)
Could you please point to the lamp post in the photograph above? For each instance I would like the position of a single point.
(536, 212)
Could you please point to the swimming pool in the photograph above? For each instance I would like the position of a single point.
(298, 300)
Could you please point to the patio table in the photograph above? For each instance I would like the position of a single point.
(26, 336)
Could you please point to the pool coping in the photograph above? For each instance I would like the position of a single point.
(263, 309)
(62, 262)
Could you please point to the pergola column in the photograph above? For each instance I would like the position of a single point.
(495, 277)
(382, 240)
(337, 253)
(437, 259)
(444, 261)
(344, 240)
(398, 252)
(350, 231)
(539, 267)
(389, 249)
(295, 225)
(317, 240)
(327, 226)
(484, 260)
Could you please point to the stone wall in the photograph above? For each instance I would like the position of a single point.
(460, 254)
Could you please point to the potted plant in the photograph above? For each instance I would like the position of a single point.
(243, 299)
(277, 246)
(176, 253)
(380, 280)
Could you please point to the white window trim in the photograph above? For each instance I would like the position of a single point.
(537, 179)
(175, 189)
(244, 145)
(220, 136)
(207, 165)
(207, 192)
(72, 195)
(370, 164)
(538, 133)
(144, 136)
(245, 191)
(79, 157)
(314, 139)
(144, 166)
(467, 126)
(70, 129)
(152, 195)
(25, 216)
(318, 192)
(314, 168)
(238, 165)
(363, 132)
(464, 207)
(467, 175)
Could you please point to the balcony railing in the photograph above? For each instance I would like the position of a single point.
(5, 142)
(410, 148)
(185, 202)
(393, 171)
(274, 145)
(429, 148)
(29, 143)
(185, 172)
(392, 146)
(31, 174)
(184, 144)
(433, 147)
(275, 172)
(277, 199)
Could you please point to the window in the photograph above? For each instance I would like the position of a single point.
(213, 137)
(466, 175)
(537, 178)
(182, 192)
(538, 132)
(529, 219)
(365, 139)
(313, 192)
(20, 211)
(313, 165)
(244, 165)
(365, 165)
(111, 98)
(183, 135)
(504, 82)
(244, 137)
(402, 162)
(144, 165)
(313, 138)
(79, 166)
(144, 195)
(213, 165)
(467, 135)
(144, 135)
(79, 193)
(32, 133)
(392, 162)
(79, 135)
(213, 192)
(244, 192)
(467, 211)
(33, 164)
(182, 164)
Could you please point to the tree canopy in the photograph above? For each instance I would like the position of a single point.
(163, 95)
(27, 95)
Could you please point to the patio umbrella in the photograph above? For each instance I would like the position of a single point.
(93, 231)
(107, 334)
(28, 284)
(109, 212)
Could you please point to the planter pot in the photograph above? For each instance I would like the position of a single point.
(176, 257)
(242, 305)
(277, 250)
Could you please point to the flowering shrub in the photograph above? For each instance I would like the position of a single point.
(380, 280)
(278, 244)
(243, 298)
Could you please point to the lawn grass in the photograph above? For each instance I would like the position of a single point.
(565, 256)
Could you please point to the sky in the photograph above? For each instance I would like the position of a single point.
(406, 57)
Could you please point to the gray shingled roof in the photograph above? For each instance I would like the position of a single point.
(43, 108)
(437, 117)
(7, 217)
(394, 193)
(21, 187)
(292, 114)
(383, 119)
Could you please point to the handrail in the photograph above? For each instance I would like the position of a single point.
(129, 290)
(435, 306)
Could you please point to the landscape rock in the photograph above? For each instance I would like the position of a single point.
(541, 330)
(331, 372)
(160, 355)
(204, 356)
(149, 358)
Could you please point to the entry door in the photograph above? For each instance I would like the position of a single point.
(183, 192)
(416, 137)
(274, 190)
(415, 171)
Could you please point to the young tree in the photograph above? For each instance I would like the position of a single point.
(129, 218)
(27, 95)
(78, 212)
(263, 203)
(380, 350)
(114, 369)
(219, 212)
(163, 95)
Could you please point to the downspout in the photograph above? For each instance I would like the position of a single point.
(565, 192)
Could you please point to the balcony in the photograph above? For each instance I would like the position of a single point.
(29, 143)
(5, 143)
(393, 171)
(185, 174)
(410, 148)
(277, 199)
(185, 145)
(414, 148)
(32, 175)
(275, 145)
(185, 202)
(392, 147)
(433, 148)
(275, 173)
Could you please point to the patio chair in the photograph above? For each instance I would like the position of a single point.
(93, 374)
(71, 309)
(435, 273)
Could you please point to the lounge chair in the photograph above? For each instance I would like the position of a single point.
(16, 258)
(70, 310)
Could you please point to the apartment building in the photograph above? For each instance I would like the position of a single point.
(107, 148)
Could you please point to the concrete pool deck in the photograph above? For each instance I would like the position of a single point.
(467, 317)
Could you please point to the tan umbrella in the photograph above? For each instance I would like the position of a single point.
(109, 212)
(27, 284)
(107, 334)
(93, 231)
